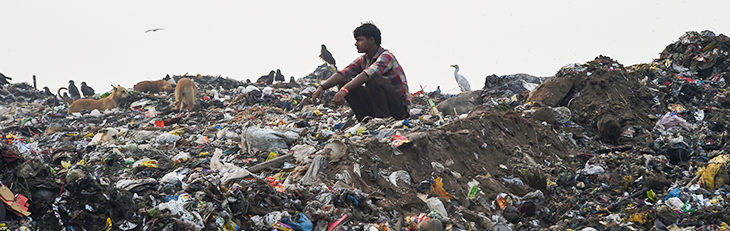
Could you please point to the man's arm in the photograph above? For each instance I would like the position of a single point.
(355, 82)
(339, 77)
(380, 66)
(359, 80)
(333, 80)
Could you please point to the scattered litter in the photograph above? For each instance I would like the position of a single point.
(598, 144)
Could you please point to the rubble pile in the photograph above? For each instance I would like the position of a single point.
(598, 146)
(507, 86)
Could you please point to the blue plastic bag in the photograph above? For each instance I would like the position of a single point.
(305, 223)
(673, 193)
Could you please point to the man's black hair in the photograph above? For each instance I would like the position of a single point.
(368, 30)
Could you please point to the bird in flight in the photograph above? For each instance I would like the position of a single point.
(154, 30)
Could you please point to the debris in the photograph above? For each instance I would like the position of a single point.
(596, 146)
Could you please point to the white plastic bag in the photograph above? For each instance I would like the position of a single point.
(435, 204)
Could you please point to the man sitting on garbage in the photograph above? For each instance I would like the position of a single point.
(385, 90)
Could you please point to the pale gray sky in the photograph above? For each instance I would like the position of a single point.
(104, 42)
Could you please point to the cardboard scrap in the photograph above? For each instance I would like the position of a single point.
(17, 203)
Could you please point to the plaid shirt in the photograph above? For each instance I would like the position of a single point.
(384, 65)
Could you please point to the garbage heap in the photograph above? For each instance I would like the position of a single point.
(649, 141)
(497, 88)
(598, 146)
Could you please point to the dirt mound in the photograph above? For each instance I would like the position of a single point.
(603, 97)
(490, 147)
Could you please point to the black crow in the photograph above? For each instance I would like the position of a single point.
(4, 79)
(73, 90)
(86, 90)
(327, 56)
(266, 79)
(47, 91)
(279, 77)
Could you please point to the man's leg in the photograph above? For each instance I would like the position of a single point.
(359, 101)
(386, 101)
(398, 107)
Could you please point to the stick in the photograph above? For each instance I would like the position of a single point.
(366, 188)
(697, 177)
(271, 163)
(614, 205)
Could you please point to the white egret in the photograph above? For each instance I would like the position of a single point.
(460, 79)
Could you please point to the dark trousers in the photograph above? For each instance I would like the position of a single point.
(379, 99)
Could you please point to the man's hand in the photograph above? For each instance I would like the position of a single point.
(317, 94)
(339, 97)
(332, 81)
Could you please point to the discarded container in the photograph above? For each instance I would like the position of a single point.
(337, 149)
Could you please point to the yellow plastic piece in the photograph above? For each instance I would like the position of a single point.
(150, 164)
(437, 188)
(707, 174)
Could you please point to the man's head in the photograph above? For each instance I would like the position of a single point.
(366, 35)
(368, 30)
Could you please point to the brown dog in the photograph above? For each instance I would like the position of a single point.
(185, 94)
(153, 86)
(110, 102)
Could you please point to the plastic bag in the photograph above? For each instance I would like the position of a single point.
(265, 139)
(180, 157)
(436, 205)
(708, 173)
(202, 140)
(399, 175)
(670, 120)
(301, 152)
(228, 171)
(318, 164)
(305, 223)
(167, 138)
(145, 162)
